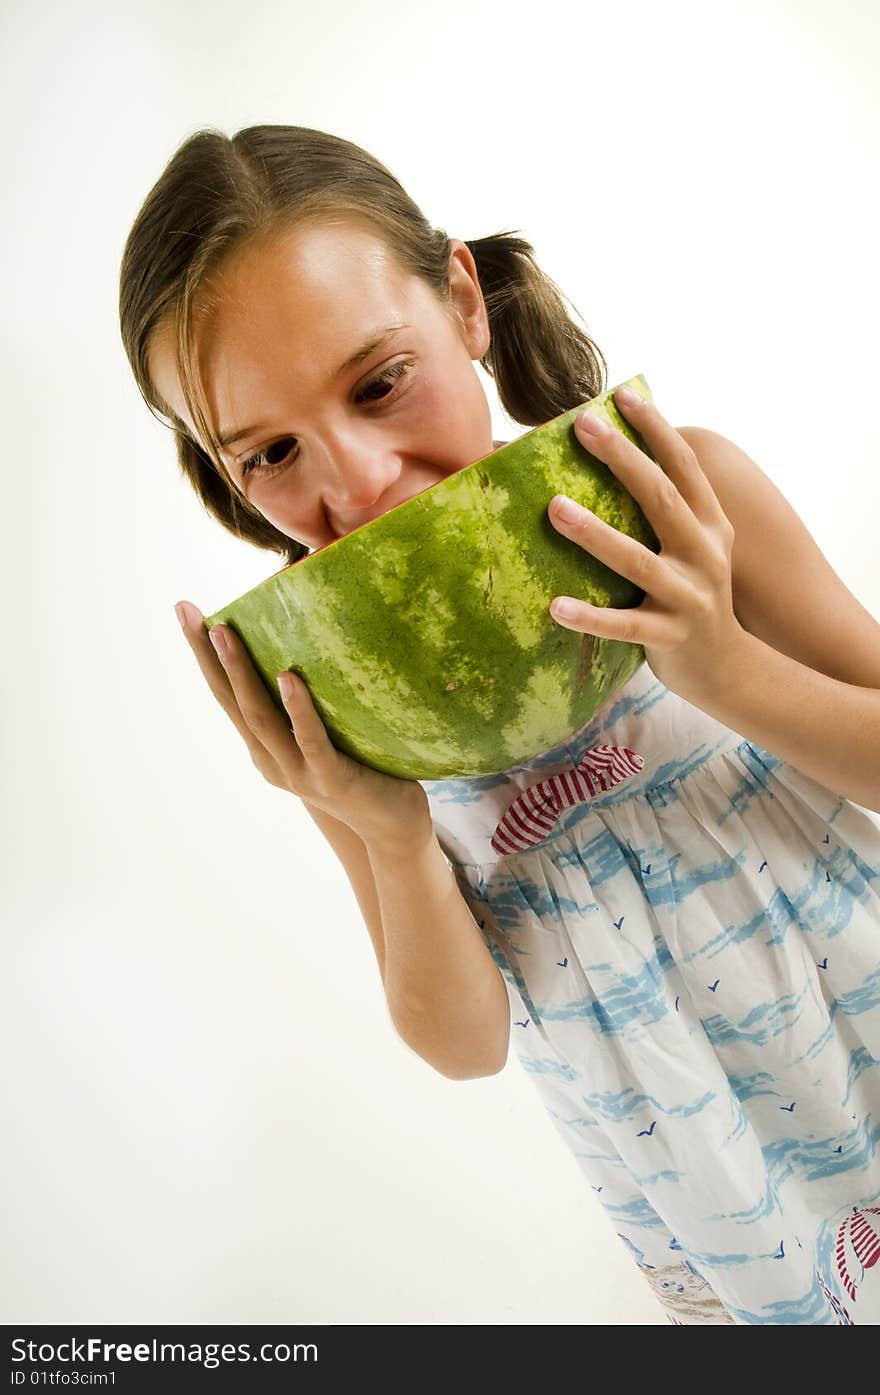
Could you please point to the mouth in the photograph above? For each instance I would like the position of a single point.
(389, 508)
(404, 499)
(357, 526)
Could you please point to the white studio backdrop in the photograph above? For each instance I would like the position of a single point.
(209, 1117)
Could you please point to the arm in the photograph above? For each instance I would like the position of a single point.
(350, 850)
(445, 993)
(447, 997)
(803, 678)
(830, 730)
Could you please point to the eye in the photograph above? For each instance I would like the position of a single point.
(255, 463)
(386, 379)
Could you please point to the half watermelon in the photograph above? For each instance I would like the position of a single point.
(425, 636)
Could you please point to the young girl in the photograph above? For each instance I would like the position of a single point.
(685, 956)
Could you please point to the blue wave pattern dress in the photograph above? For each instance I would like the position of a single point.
(693, 965)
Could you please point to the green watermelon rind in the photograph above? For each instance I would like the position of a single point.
(425, 636)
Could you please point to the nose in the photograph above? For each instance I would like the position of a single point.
(359, 484)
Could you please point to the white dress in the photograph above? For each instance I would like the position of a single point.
(693, 964)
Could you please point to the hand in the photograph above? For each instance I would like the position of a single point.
(686, 622)
(300, 757)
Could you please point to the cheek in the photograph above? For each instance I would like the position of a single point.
(454, 409)
(294, 511)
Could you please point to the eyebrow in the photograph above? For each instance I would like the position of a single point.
(378, 337)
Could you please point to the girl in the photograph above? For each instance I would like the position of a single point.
(688, 963)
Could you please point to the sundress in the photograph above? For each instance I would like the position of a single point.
(692, 955)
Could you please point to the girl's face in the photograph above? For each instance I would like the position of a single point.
(325, 444)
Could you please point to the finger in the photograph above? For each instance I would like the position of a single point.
(210, 664)
(622, 554)
(311, 735)
(222, 689)
(263, 719)
(650, 485)
(635, 626)
(677, 456)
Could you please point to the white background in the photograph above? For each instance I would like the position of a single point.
(208, 1115)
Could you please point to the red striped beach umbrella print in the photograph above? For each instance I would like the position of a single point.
(533, 813)
(858, 1247)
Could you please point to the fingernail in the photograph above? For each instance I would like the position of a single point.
(567, 509)
(627, 397)
(218, 639)
(595, 425)
(180, 612)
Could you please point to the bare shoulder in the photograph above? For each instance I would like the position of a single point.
(785, 590)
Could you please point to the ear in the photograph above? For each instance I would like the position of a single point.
(468, 305)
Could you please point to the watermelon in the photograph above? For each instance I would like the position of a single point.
(425, 636)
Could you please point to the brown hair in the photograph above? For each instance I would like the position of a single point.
(218, 194)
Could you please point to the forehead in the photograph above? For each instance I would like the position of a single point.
(310, 290)
(315, 270)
